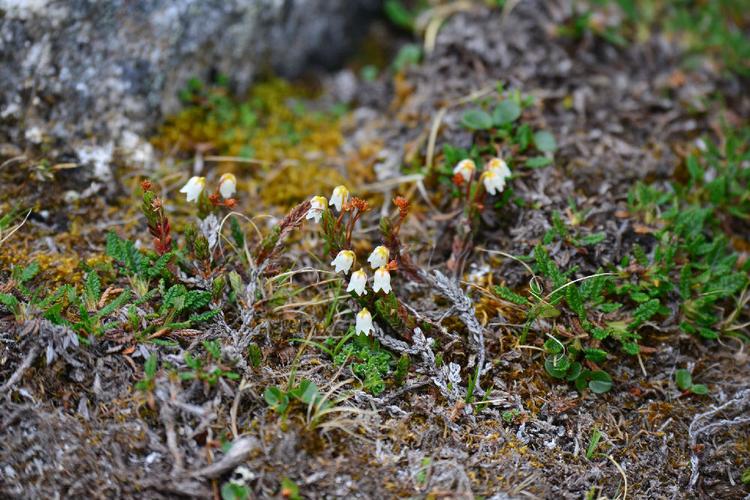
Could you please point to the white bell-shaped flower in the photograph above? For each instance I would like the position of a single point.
(193, 188)
(364, 322)
(379, 257)
(495, 174)
(343, 261)
(382, 280)
(466, 168)
(357, 283)
(499, 166)
(227, 185)
(339, 197)
(317, 206)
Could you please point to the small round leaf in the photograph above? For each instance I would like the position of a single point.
(544, 141)
(477, 119)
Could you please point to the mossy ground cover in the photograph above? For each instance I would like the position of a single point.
(580, 333)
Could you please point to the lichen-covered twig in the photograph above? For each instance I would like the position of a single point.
(238, 453)
(25, 364)
(463, 306)
(702, 424)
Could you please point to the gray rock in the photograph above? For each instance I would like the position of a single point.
(105, 71)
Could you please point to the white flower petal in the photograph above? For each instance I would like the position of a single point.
(364, 322)
(382, 280)
(317, 206)
(227, 185)
(466, 168)
(379, 257)
(343, 261)
(193, 188)
(357, 283)
(339, 197)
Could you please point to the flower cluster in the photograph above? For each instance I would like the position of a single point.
(494, 175)
(345, 259)
(227, 187)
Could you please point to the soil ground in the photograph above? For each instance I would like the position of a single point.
(74, 426)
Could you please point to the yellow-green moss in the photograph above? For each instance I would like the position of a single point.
(290, 143)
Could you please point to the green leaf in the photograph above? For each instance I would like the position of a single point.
(149, 367)
(289, 489)
(545, 142)
(477, 119)
(609, 307)
(29, 272)
(592, 239)
(553, 346)
(574, 300)
(9, 301)
(398, 14)
(631, 348)
(593, 443)
(307, 392)
(574, 371)
(699, 389)
(644, 312)
(506, 112)
(276, 399)
(114, 305)
(595, 355)
(511, 296)
(234, 491)
(683, 379)
(600, 382)
(408, 55)
(538, 162)
(93, 287)
(557, 365)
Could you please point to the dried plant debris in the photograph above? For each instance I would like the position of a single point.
(514, 264)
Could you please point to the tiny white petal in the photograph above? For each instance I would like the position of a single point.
(227, 185)
(339, 197)
(382, 280)
(378, 257)
(357, 283)
(495, 175)
(193, 188)
(364, 322)
(343, 261)
(465, 168)
(317, 206)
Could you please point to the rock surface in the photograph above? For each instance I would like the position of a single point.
(103, 72)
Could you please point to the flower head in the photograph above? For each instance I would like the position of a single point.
(339, 197)
(465, 168)
(193, 188)
(364, 322)
(378, 257)
(357, 283)
(495, 175)
(382, 280)
(343, 261)
(499, 166)
(227, 185)
(317, 206)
